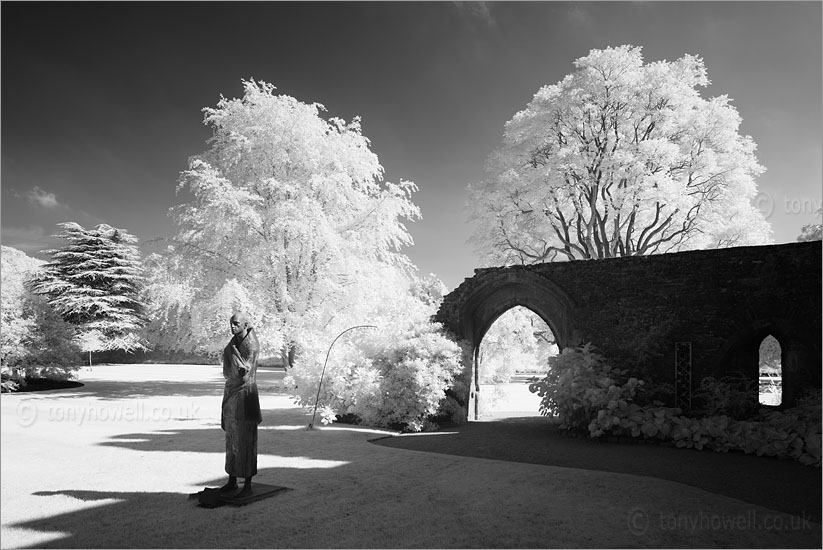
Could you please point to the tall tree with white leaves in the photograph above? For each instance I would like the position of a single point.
(35, 342)
(288, 216)
(95, 282)
(620, 158)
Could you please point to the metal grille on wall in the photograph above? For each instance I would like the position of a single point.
(683, 375)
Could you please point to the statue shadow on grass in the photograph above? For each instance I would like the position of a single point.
(141, 520)
(306, 459)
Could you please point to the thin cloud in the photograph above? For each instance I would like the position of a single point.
(43, 198)
(579, 15)
(477, 10)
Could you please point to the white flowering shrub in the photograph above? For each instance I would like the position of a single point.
(414, 376)
(386, 378)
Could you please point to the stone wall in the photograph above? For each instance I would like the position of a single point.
(634, 310)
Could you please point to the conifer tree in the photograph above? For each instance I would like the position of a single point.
(94, 282)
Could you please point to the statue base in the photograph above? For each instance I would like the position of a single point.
(213, 498)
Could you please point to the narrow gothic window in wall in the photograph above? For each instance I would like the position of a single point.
(771, 372)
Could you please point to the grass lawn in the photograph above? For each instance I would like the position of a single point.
(111, 464)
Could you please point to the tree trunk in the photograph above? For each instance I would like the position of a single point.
(287, 355)
(284, 357)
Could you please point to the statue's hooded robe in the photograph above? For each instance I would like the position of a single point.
(241, 404)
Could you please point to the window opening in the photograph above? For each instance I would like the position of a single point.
(770, 372)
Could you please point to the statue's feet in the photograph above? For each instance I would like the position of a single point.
(228, 487)
(245, 492)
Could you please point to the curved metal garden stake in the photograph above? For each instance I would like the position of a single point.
(323, 373)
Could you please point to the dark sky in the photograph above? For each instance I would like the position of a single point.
(101, 102)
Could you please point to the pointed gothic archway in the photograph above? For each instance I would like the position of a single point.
(515, 349)
(497, 292)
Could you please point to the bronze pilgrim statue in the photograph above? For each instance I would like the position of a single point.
(241, 405)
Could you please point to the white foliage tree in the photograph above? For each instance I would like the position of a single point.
(95, 282)
(36, 342)
(17, 315)
(429, 289)
(167, 298)
(289, 215)
(812, 231)
(620, 158)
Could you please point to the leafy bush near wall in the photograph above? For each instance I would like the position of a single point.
(413, 378)
(732, 395)
(793, 433)
(578, 384)
(584, 390)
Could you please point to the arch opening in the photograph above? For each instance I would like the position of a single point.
(499, 292)
(763, 353)
(515, 347)
(799, 353)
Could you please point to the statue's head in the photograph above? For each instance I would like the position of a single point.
(239, 323)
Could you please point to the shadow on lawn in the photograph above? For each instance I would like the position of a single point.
(81, 528)
(306, 458)
(780, 485)
(166, 519)
(143, 519)
(783, 485)
(136, 520)
(269, 381)
(283, 432)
